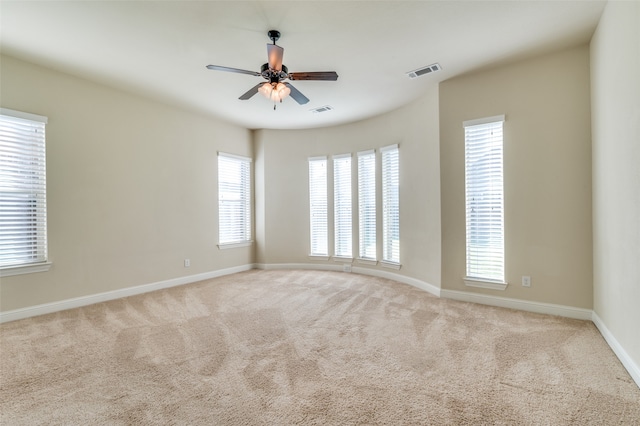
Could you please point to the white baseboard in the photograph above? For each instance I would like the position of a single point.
(523, 305)
(318, 266)
(422, 285)
(77, 302)
(429, 288)
(616, 347)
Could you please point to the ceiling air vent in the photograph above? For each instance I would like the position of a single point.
(424, 70)
(321, 109)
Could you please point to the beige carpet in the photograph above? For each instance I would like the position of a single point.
(312, 348)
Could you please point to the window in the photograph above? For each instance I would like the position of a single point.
(342, 205)
(234, 199)
(390, 204)
(367, 204)
(484, 199)
(318, 206)
(23, 191)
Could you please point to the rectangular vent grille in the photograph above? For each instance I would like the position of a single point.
(321, 109)
(425, 70)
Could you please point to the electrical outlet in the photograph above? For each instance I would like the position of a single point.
(526, 281)
(346, 268)
(187, 263)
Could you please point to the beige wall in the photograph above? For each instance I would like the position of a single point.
(132, 187)
(284, 208)
(547, 175)
(615, 88)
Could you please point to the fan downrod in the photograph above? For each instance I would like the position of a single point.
(274, 35)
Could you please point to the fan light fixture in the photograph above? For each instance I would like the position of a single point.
(274, 91)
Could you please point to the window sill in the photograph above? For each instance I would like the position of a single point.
(234, 245)
(366, 261)
(343, 259)
(485, 283)
(31, 268)
(390, 265)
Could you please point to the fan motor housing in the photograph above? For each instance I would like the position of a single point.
(272, 75)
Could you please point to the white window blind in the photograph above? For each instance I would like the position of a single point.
(342, 205)
(318, 206)
(367, 204)
(390, 204)
(484, 198)
(234, 199)
(23, 190)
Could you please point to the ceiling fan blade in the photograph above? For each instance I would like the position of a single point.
(319, 75)
(236, 70)
(249, 93)
(296, 95)
(275, 54)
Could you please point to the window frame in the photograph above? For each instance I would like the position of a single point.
(342, 207)
(483, 151)
(318, 210)
(367, 208)
(390, 172)
(32, 180)
(244, 192)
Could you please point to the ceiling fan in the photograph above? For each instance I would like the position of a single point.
(275, 73)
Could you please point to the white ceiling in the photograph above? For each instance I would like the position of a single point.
(159, 49)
